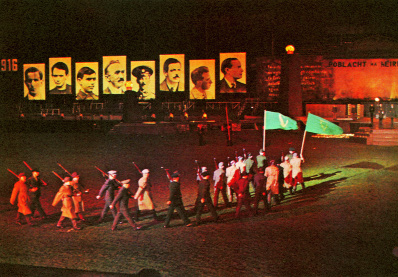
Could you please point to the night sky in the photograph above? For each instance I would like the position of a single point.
(34, 29)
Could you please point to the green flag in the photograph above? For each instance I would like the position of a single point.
(318, 125)
(279, 121)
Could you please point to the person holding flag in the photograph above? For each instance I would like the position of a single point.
(297, 172)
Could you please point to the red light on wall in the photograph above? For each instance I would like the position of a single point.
(290, 49)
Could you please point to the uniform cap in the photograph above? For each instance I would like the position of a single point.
(145, 171)
(139, 71)
(205, 174)
(175, 174)
(74, 175)
(112, 172)
(221, 165)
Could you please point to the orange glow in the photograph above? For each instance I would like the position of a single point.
(204, 116)
(129, 85)
(290, 49)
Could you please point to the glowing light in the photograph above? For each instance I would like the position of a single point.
(290, 49)
(204, 116)
(129, 85)
(377, 99)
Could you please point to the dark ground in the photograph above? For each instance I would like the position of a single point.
(345, 224)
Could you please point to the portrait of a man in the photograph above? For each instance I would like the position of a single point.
(34, 82)
(173, 72)
(87, 79)
(60, 75)
(143, 76)
(202, 82)
(115, 76)
(232, 70)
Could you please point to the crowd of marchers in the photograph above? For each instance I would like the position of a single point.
(243, 181)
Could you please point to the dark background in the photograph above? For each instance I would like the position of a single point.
(33, 31)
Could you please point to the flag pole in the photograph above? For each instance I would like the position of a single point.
(302, 144)
(265, 120)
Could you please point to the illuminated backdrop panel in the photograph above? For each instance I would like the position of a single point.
(362, 78)
(114, 74)
(34, 81)
(171, 73)
(233, 72)
(87, 81)
(143, 78)
(60, 75)
(202, 76)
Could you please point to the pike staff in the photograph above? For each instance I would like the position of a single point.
(13, 173)
(137, 168)
(65, 169)
(28, 166)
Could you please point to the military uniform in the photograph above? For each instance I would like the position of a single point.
(35, 185)
(176, 203)
(108, 188)
(122, 198)
(20, 193)
(204, 193)
(65, 194)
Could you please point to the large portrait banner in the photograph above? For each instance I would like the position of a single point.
(87, 81)
(114, 74)
(202, 74)
(233, 72)
(34, 81)
(143, 79)
(171, 73)
(60, 75)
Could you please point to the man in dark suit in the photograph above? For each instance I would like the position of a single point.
(204, 197)
(175, 201)
(108, 188)
(232, 70)
(122, 198)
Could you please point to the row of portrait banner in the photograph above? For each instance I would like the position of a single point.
(83, 81)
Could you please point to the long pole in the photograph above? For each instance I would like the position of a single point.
(265, 120)
(302, 144)
(228, 127)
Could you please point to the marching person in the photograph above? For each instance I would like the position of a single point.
(287, 174)
(78, 190)
(35, 184)
(260, 190)
(297, 173)
(20, 193)
(233, 175)
(261, 159)
(175, 201)
(250, 171)
(241, 165)
(144, 196)
(108, 188)
(272, 174)
(122, 198)
(65, 194)
(220, 185)
(249, 164)
(242, 192)
(204, 197)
